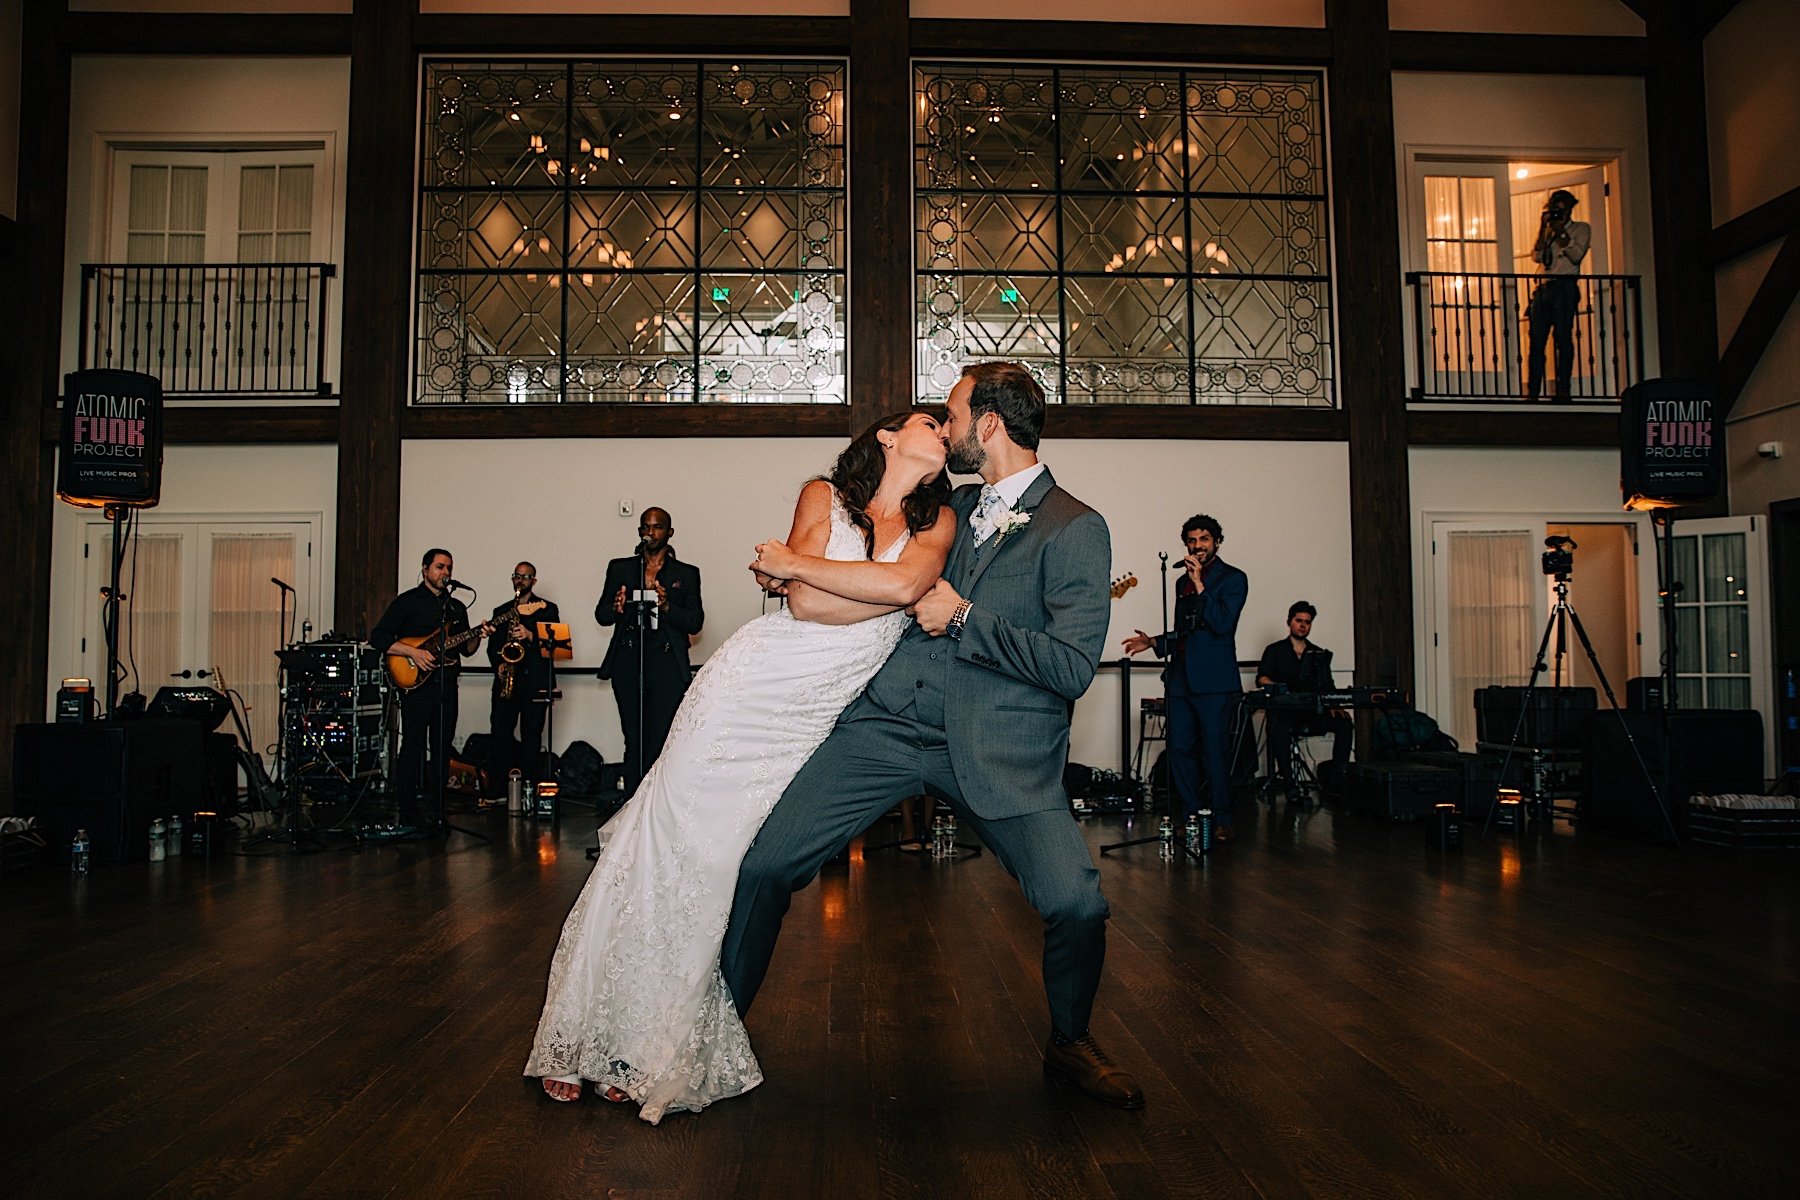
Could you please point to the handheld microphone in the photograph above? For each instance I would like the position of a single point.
(284, 587)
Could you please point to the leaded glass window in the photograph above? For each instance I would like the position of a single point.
(1135, 236)
(631, 231)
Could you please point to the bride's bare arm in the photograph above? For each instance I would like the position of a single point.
(807, 539)
(889, 584)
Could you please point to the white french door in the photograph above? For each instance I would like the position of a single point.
(198, 596)
(1722, 620)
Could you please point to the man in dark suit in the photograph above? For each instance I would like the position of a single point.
(1201, 683)
(521, 697)
(973, 707)
(651, 601)
(1294, 663)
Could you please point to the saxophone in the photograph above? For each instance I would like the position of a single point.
(512, 652)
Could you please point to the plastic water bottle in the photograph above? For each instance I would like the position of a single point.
(1191, 834)
(79, 853)
(1165, 836)
(1206, 831)
(937, 837)
(175, 836)
(158, 840)
(306, 631)
(950, 835)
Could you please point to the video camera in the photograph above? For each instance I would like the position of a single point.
(1559, 558)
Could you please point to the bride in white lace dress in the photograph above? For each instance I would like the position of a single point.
(635, 1002)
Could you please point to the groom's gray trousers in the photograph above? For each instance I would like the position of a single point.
(873, 759)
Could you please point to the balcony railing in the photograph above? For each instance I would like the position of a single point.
(210, 329)
(1473, 338)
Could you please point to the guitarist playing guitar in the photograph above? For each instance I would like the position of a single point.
(413, 624)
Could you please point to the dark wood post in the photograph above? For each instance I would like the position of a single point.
(880, 285)
(377, 299)
(1371, 356)
(31, 309)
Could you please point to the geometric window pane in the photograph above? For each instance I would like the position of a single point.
(632, 231)
(1690, 693)
(969, 317)
(1127, 341)
(986, 233)
(1262, 341)
(771, 338)
(1153, 236)
(1124, 234)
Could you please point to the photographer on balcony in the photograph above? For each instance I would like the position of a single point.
(1561, 245)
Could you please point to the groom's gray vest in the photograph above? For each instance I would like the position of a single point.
(1004, 693)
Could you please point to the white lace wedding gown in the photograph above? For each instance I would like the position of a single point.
(635, 997)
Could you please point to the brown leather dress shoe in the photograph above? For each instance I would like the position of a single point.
(1223, 834)
(1086, 1066)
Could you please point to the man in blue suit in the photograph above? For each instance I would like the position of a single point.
(1202, 677)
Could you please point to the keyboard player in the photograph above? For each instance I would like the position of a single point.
(1300, 666)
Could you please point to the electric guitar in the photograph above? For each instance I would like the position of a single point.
(408, 674)
(1123, 584)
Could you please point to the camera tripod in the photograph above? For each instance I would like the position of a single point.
(1563, 615)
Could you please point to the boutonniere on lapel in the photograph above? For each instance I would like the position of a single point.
(1010, 522)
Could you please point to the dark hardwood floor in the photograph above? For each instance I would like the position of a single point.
(1326, 1009)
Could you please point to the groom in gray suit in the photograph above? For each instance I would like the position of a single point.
(974, 707)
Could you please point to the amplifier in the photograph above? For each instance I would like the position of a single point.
(1479, 775)
(1558, 718)
(1693, 752)
(1399, 791)
(1644, 694)
(109, 778)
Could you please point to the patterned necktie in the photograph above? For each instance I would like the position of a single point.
(986, 514)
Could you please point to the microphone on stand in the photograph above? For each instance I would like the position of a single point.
(283, 586)
(457, 585)
(189, 674)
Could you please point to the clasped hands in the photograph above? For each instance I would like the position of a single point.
(774, 568)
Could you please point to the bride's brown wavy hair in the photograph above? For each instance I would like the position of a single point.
(858, 473)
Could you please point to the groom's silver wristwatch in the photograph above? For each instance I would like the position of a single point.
(954, 627)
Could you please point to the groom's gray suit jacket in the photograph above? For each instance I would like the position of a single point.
(1005, 692)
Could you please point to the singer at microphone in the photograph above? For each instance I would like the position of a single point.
(651, 601)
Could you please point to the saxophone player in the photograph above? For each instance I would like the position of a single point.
(521, 696)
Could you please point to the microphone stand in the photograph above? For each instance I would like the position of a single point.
(440, 749)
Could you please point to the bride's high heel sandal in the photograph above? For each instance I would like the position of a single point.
(612, 1095)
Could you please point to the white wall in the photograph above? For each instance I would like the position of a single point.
(556, 504)
(199, 482)
(1534, 117)
(205, 101)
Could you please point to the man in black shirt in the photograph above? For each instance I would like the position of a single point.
(521, 688)
(650, 587)
(1303, 667)
(428, 711)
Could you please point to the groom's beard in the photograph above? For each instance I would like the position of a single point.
(967, 457)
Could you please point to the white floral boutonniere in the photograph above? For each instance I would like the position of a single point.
(1011, 521)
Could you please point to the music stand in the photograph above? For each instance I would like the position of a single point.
(555, 643)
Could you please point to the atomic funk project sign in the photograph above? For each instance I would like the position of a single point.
(112, 446)
(1666, 443)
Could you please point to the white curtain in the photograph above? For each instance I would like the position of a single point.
(245, 621)
(275, 214)
(166, 217)
(152, 618)
(1491, 618)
